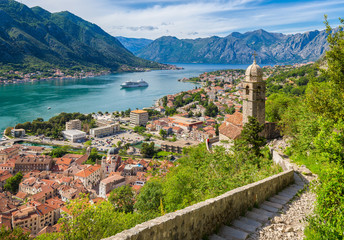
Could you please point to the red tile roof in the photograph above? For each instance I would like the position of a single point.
(4, 176)
(232, 127)
(87, 171)
(63, 160)
(21, 195)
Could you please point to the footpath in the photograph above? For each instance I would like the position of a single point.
(281, 217)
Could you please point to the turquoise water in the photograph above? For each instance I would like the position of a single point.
(37, 145)
(25, 102)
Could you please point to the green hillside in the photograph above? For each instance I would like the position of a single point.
(34, 37)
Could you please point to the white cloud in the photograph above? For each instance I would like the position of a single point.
(192, 19)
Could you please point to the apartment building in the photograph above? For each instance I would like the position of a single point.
(138, 117)
(73, 125)
(105, 130)
(33, 217)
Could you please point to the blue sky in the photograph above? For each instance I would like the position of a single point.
(198, 18)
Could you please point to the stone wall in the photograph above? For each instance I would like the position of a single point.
(206, 217)
(278, 159)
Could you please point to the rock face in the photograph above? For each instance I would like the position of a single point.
(34, 35)
(237, 48)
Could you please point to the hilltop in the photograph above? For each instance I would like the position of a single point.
(237, 48)
(34, 37)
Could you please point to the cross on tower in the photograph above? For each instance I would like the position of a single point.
(255, 55)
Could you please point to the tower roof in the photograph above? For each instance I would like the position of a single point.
(113, 151)
(255, 71)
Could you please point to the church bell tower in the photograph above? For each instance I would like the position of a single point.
(254, 93)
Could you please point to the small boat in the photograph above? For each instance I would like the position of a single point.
(131, 84)
(49, 108)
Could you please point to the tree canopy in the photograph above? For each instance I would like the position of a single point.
(12, 183)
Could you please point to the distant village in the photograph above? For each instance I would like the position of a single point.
(15, 77)
(213, 111)
(12, 77)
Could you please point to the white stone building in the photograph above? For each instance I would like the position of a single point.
(74, 135)
(110, 183)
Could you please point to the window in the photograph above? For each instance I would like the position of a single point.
(259, 90)
(247, 90)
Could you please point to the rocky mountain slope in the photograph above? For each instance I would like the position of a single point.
(36, 36)
(237, 48)
(134, 44)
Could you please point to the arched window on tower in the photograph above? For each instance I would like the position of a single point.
(259, 91)
(247, 90)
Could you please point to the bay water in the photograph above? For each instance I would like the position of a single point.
(28, 101)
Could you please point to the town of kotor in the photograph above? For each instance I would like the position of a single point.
(171, 120)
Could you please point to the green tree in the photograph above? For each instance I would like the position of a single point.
(15, 234)
(126, 146)
(94, 155)
(119, 143)
(148, 149)
(211, 110)
(335, 56)
(276, 106)
(88, 143)
(97, 221)
(123, 199)
(250, 142)
(59, 151)
(149, 198)
(8, 131)
(12, 183)
(163, 133)
(139, 129)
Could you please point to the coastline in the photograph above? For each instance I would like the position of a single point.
(95, 95)
(83, 75)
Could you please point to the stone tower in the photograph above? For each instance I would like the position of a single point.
(254, 94)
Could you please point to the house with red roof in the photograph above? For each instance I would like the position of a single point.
(231, 128)
(90, 176)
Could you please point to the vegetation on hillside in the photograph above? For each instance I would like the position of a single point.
(314, 123)
(293, 81)
(33, 39)
(197, 176)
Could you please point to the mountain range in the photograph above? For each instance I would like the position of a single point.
(36, 36)
(237, 48)
(134, 45)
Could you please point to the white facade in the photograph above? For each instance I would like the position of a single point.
(110, 183)
(74, 135)
(104, 131)
(138, 117)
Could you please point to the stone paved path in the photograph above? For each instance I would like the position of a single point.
(281, 217)
(290, 223)
(254, 220)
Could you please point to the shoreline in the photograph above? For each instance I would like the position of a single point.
(174, 67)
(82, 75)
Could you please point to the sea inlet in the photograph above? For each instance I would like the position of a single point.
(28, 101)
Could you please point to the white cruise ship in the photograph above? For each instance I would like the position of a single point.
(131, 84)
